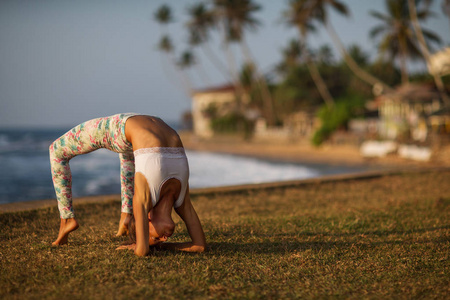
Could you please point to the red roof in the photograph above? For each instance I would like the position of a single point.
(217, 89)
(412, 93)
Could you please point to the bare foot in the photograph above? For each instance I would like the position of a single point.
(123, 224)
(66, 227)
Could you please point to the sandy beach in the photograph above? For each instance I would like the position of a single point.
(304, 152)
(339, 155)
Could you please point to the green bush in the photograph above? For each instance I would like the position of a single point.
(337, 116)
(231, 123)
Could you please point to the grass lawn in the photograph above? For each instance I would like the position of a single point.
(386, 237)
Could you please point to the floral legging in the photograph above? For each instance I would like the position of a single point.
(108, 133)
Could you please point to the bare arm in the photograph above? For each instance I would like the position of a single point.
(140, 211)
(187, 212)
(142, 235)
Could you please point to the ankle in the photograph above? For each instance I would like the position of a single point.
(125, 218)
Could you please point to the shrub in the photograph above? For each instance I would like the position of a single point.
(231, 123)
(337, 116)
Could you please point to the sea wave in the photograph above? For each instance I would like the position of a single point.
(211, 169)
(26, 141)
(26, 175)
(4, 140)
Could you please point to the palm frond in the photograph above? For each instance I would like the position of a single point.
(379, 15)
(340, 7)
(374, 32)
(431, 36)
(164, 14)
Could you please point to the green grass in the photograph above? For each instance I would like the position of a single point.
(385, 237)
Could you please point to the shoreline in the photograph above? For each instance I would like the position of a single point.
(303, 152)
(48, 203)
(281, 151)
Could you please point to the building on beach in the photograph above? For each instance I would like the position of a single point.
(217, 102)
(405, 113)
(210, 102)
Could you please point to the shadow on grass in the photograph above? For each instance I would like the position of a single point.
(284, 247)
(361, 239)
(378, 233)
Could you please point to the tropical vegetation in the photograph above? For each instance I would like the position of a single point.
(306, 78)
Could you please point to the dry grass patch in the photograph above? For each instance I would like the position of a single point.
(374, 238)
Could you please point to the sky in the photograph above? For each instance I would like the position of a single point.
(63, 62)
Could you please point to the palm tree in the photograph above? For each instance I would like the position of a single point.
(325, 55)
(318, 10)
(414, 14)
(186, 61)
(398, 40)
(291, 56)
(164, 15)
(189, 60)
(165, 46)
(446, 8)
(293, 51)
(236, 16)
(199, 25)
(299, 15)
(220, 19)
(358, 55)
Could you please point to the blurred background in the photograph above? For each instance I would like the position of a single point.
(369, 74)
(63, 61)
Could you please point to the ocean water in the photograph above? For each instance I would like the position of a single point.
(25, 168)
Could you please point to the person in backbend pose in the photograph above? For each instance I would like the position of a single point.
(154, 178)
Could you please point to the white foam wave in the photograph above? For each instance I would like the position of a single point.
(206, 170)
(4, 141)
(99, 173)
(26, 142)
(100, 184)
(210, 169)
(95, 161)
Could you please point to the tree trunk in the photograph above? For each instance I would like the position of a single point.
(446, 8)
(168, 66)
(403, 65)
(318, 80)
(360, 73)
(426, 52)
(265, 93)
(187, 82)
(216, 62)
(320, 84)
(202, 74)
(184, 77)
(234, 76)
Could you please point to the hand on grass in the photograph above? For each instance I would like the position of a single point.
(127, 247)
(186, 247)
